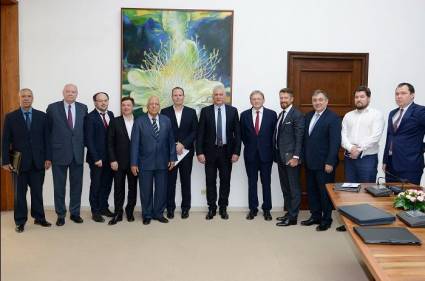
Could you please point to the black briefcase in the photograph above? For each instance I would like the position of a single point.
(15, 158)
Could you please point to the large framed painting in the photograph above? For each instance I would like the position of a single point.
(164, 48)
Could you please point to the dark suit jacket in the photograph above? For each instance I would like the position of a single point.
(95, 135)
(407, 142)
(206, 135)
(263, 143)
(66, 144)
(186, 133)
(291, 135)
(148, 152)
(322, 146)
(32, 144)
(119, 143)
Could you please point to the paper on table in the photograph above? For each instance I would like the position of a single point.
(181, 156)
(350, 184)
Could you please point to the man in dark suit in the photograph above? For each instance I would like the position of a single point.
(184, 123)
(66, 137)
(257, 126)
(218, 145)
(95, 134)
(403, 154)
(322, 139)
(25, 130)
(119, 136)
(288, 138)
(153, 151)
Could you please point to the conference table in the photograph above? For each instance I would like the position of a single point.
(385, 262)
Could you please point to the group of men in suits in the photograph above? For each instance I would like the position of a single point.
(148, 147)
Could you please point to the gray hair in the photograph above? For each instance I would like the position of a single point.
(25, 90)
(219, 87)
(256, 92)
(318, 92)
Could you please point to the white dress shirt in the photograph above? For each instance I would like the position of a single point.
(106, 116)
(223, 121)
(157, 120)
(65, 104)
(129, 124)
(362, 128)
(280, 118)
(397, 114)
(314, 121)
(178, 115)
(260, 116)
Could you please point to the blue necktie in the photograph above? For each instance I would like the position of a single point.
(219, 128)
(27, 120)
(155, 127)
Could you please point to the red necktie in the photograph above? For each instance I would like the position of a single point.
(257, 123)
(104, 120)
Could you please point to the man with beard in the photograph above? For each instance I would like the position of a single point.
(361, 131)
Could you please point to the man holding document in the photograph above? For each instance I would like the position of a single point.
(184, 124)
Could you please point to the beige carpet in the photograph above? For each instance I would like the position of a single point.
(186, 250)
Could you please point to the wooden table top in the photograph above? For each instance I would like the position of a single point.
(385, 262)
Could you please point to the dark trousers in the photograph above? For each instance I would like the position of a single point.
(411, 176)
(119, 191)
(221, 162)
(34, 179)
(60, 173)
(185, 169)
(100, 187)
(361, 169)
(265, 169)
(153, 201)
(291, 188)
(318, 198)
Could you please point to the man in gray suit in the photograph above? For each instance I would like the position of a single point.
(153, 151)
(287, 143)
(66, 136)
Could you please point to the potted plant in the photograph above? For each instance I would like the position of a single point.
(410, 199)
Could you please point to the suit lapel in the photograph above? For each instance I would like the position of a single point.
(61, 110)
(212, 114)
(21, 119)
(123, 127)
(227, 108)
(319, 121)
(406, 116)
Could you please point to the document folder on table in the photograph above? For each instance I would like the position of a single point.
(412, 218)
(365, 214)
(387, 235)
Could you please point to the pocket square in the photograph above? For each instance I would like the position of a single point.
(287, 123)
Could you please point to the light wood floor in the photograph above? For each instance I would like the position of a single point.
(192, 249)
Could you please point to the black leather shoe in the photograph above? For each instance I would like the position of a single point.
(97, 218)
(162, 220)
(60, 221)
(146, 221)
(341, 228)
(76, 219)
(211, 214)
(185, 214)
(287, 222)
(170, 214)
(130, 217)
(310, 221)
(284, 217)
(43, 223)
(107, 213)
(267, 216)
(323, 226)
(115, 219)
(252, 214)
(20, 228)
(223, 214)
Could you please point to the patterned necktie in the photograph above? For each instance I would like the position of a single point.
(219, 128)
(155, 127)
(313, 123)
(397, 122)
(104, 120)
(257, 123)
(70, 125)
(27, 120)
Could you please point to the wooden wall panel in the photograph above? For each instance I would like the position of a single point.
(9, 82)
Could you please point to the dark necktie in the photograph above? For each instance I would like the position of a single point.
(219, 128)
(155, 127)
(397, 122)
(27, 120)
(70, 125)
(278, 128)
(257, 123)
(104, 120)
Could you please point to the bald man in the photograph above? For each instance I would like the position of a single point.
(153, 152)
(66, 137)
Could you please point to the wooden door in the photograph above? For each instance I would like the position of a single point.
(9, 83)
(338, 74)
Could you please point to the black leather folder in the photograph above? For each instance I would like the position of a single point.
(365, 214)
(412, 218)
(387, 235)
(15, 158)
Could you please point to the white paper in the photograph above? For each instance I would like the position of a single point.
(350, 184)
(181, 156)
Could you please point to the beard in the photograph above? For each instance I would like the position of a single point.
(360, 106)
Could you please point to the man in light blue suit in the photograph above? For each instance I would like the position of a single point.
(153, 151)
(66, 136)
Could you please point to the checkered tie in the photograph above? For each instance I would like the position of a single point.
(155, 127)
